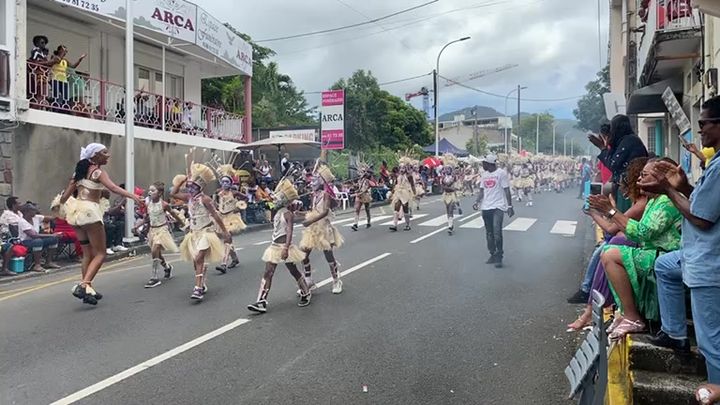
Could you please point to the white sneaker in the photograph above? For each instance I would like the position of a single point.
(109, 251)
(337, 286)
(311, 286)
(120, 248)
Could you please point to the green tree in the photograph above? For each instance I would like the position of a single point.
(477, 145)
(590, 111)
(528, 130)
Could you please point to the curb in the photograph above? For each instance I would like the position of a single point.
(143, 249)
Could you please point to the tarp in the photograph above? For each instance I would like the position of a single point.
(446, 146)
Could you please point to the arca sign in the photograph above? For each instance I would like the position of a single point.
(332, 117)
(176, 20)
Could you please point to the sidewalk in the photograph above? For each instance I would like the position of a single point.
(143, 249)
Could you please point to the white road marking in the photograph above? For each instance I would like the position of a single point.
(520, 224)
(86, 392)
(265, 242)
(342, 221)
(469, 217)
(422, 238)
(441, 220)
(373, 219)
(354, 268)
(415, 217)
(477, 223)
(564, 227)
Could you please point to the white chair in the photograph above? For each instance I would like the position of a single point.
(345, 198)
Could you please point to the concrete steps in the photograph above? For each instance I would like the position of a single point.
(661, 376)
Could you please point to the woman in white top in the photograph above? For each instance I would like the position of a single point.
(86, 216)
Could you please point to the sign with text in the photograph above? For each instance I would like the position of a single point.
(332, 123)
(676, 111)
(178, 19)
(304, 134)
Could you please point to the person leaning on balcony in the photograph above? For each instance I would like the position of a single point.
(60, 87)
(38, 70)
(700, 261)
(618, 151)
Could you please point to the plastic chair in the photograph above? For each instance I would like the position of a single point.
(345, 198)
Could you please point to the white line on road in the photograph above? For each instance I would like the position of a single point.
(442, 219)
(415, 217)
(520, 224)
(373, 219)
(477, 223)
(469, 217)
(265, 242)
(86, 392)
(422, 238)
(564, 227)
(354, 268)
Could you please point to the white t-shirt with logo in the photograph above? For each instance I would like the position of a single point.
(494, 185)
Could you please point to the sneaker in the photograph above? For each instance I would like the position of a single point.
(459, 211)
(407, 228)
(221, 268)
(499, 263)
(491, 260)
(78, 291)
(109, 252)
(681, 346)
(337, 287)
(153, 282)
(261, 306)
(205, 288)
(393, 228)
(168, 271)
(304, 300)
(580, 297)
(354, 227)
(120, 248)
(367, 226)
(311, 286)
(197, 294)
(233, 264)
(450, 230)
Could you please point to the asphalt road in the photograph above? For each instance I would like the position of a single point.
(418, 323)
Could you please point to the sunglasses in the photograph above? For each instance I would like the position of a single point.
(702, 123)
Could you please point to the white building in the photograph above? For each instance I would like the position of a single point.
(52, 112)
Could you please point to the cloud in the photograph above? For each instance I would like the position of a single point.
(554, 42)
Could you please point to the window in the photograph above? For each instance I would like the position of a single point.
(3, 23)
(143, 82)
(175, 87)
(151, 81)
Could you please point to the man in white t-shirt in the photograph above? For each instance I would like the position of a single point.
(35, 241)
(494, 200)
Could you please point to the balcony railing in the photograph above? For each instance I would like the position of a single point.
(76, 93)
(665, 16)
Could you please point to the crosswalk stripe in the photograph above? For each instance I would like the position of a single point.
(564, 228)
(415, 217)
(441, 220)
(476, 223)
(520, 224)
(373, 219)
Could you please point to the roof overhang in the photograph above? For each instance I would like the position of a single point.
(710, 7)
(648, 99)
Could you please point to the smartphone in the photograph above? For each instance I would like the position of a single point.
(683, 141)
(596, 188)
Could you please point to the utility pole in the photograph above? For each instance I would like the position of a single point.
(435, 111)
(518, 121)
(572, 147)
(554, 127)
(537, 135)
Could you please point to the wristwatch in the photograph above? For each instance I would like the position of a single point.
(612, 213)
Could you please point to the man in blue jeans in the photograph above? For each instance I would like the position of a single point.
(35, 241)
(701, 240)
(583, 294)
(671, 296)
(495, 201)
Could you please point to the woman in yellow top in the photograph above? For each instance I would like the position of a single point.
(60, 87)
(705, 155)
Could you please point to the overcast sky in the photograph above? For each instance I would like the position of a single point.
(554, 42)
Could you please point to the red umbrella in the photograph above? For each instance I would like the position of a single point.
(432, 162)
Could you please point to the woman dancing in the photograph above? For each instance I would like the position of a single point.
(282, 249)
(403, 192)
(450, 198)
(227, 201)
(159, 237)
(201, 244)
(319, 233)
(85, 215)
(363, 198)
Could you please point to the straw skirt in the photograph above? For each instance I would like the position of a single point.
(197, 241)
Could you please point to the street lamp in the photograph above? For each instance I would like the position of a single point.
(554, 127)
(565, 143)
(437, 91)
(506, 112)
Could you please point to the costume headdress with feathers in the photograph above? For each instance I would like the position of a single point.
(450, 160)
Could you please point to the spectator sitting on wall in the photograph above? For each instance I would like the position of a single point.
(35, 241)
(11, 216)
(264, 194)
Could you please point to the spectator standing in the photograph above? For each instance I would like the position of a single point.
(617, 152)
(585, 176)
(60, 86)
(36, 242)
(495, 201)
(285, 163)
(265, 171)
(700, 207)
(38, 70)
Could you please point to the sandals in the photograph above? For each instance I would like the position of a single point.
(626, 326)
(579, 324)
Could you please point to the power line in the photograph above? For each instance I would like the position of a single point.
(372, 21)
(407, 79)
(540, 100)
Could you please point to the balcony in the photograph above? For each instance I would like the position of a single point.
(77, 94)
(672, 35)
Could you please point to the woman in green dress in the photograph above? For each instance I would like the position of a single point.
(630, 270)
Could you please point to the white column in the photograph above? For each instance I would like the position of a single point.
(164, 86)
(129, 122)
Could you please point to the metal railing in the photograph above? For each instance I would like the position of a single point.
(666, 16)
(588, 369)
(76, 93)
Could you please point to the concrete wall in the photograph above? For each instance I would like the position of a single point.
(617, 51)
(44, 158)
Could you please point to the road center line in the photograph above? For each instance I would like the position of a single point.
(86, 392)
(354, 268)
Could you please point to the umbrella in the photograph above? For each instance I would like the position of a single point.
(432, 162)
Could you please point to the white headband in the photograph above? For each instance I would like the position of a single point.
(91, 150)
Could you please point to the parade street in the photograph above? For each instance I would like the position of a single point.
(422, 320)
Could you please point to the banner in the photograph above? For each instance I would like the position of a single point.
(178, 19)
(332, 123)
(304, 134)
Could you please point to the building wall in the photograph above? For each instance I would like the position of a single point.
(617, 51)
(43, 159)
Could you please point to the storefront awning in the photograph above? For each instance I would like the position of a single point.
(649, 100)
